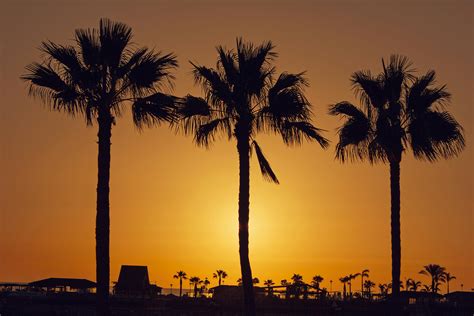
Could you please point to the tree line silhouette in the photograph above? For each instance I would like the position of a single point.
(102, 72)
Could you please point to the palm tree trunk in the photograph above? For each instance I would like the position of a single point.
(102, 230)
(243, 149)
(395, 225)
(180, 286)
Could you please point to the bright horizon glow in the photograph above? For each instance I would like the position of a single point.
(324, 218)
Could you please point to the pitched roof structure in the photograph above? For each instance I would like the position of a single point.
(133, 278)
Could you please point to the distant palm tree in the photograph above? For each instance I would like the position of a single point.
(205, 284)
(195, 281)
(239, 281)
(242, 98)
(181, 275)
(384, 289)
(317, 279)
(364, 273)
(220, 275)
(94, 78)
(398, 111)
(437, 274)
(284, 282)
(426, 288)
(368, 285)
(255, 281)
(344, 280)
(413, 285)
(351, 277)
(448, 277)
(269, 283)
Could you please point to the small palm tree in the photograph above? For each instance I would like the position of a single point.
(269, 283)
(205, 284)
(351, 277)
(344, 280)
(220, 275)
(413, 285)
(243, 98)
(255, 281)
(181, 275)
(95, 77)
(448, 277)
(384, 288)
(398, 112)
(239, 281)
(368, 286)
(437, 274)
(364, 273)
(195, 282)
(317, 279)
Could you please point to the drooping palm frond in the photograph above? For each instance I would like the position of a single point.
(154, 109)
(47, 84)
(355, 134)
(206, 133)
(421, 96)
(293, 133)
(265, 167)
(434, 135)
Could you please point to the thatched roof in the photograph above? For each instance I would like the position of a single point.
(59, 282)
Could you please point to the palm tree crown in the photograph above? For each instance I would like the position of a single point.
(437, 274)
(220, 275)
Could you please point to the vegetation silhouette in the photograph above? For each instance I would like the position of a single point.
(181, 275)
(437, 274)
(363, 274)
(195, 282)
(241, 99)
(413, 285)
(316, 281)
(448, 277)
(94, 78)
(398, 111)
(220, 275)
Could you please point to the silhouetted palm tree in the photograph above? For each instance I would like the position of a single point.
(269, 283)
(317, 279)
(220, 275)
(364, 273)
(241, 99)
(368, 285)
(398, 111)
(351, 277)
(384, 289)
(344, 280)
(205, 284)
(437, 274)
(448, 277)
(413, 285)
(255, 281)
(94, 78)
(181, 275)
(426, 288)
(195, 281)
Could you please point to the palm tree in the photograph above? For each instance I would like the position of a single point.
(269, 283)
(351, 277)
(364, 273)
(448, 277)
(413, 285)
(195, 281)
(242, 98)
(181, 275)
(426, 288)
(220, 275)
(368, 285)
(398, 111)
(344, 280)
(205, 284)
(317, 279)
(94, 78)
(437, 274)
(239, 281)
(255, 281)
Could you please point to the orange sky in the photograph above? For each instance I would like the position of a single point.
(174, 206)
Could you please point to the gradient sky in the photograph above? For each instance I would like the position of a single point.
(174, 206)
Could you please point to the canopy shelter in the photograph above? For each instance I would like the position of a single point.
(63, 284)
(134, 281)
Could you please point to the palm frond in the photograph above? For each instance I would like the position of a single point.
(47, 84)
(293, 133)
(395, 76)
(421, 96)
(88, 42)
(154, 109)
(149, 72)
(369, 89)
(265, 167)
(434, 135)
(227, 61)
(114, 38)
(206, 133)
